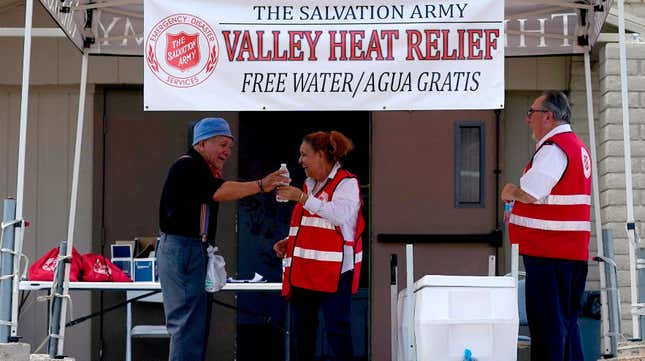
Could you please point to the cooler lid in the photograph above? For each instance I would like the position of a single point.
(464, 281)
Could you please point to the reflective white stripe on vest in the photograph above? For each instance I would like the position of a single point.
(286, 262)
(293, 231)
(566, 200)
(316, 222)
(550, 225)
(358, 257)
(318, 255)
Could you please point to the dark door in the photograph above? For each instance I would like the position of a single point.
(266, 140)
(138, 147)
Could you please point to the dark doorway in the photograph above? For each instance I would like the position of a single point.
(134, 150)
(266, 140)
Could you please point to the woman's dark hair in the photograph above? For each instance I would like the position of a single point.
(333, 144)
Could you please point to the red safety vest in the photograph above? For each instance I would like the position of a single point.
(315, 246)
(558, 226)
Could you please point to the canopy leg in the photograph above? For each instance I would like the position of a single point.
(22, 146)
(631, 228)
(74, 196)
(596, 207)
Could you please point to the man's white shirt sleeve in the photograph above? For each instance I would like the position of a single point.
(546, 170)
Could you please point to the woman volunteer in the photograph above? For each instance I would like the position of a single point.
(323, 252)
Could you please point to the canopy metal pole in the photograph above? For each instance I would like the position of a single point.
(394, 324)
(612, 292)
(596, 203)
(56, 304)
(631, 228)
(37, 32)
(515, 262)
(74, 196)
(6, 267)
(22, 146)
(411, 352)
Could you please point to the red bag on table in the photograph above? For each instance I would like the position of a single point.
(96, 268)
(43, 269)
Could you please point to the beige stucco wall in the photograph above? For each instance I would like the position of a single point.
(55, 61)
(580, 125)
(612, 161)
(53, 108)
(634, 7)
(412, 192)
(49, 160)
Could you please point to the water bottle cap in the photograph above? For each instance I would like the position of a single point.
(283, 165)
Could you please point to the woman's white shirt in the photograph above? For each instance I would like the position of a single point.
(341, 211)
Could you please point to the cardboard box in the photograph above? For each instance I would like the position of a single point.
(156, 247)
(144, 246)
(144, 269)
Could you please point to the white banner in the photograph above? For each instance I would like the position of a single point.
(316, 55)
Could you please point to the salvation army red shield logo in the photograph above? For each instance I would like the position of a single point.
(50, 264)
(182, 50)
(586, 162)
(100, 267)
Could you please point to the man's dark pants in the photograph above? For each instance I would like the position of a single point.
(554, 289)
(182, 272)
(336, 310)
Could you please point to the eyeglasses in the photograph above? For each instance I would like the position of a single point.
(531, 111)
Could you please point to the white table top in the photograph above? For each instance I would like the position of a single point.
(131, 286)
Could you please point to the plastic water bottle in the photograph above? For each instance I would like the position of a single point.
(283, 166)
(284, 265)
(508, 208)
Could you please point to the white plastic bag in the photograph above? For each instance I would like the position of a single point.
(215, 271)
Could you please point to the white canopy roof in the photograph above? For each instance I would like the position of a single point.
(533, 27)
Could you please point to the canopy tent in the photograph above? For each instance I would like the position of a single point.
(548, 27)
(115, 27)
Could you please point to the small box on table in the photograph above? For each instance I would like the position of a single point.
(122, 249)
(124, 264)
(145, 270)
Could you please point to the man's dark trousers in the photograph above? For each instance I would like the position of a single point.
(554, 289)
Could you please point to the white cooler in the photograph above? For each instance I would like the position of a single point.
(455, 313)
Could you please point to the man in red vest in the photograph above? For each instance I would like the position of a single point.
(550, 221)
